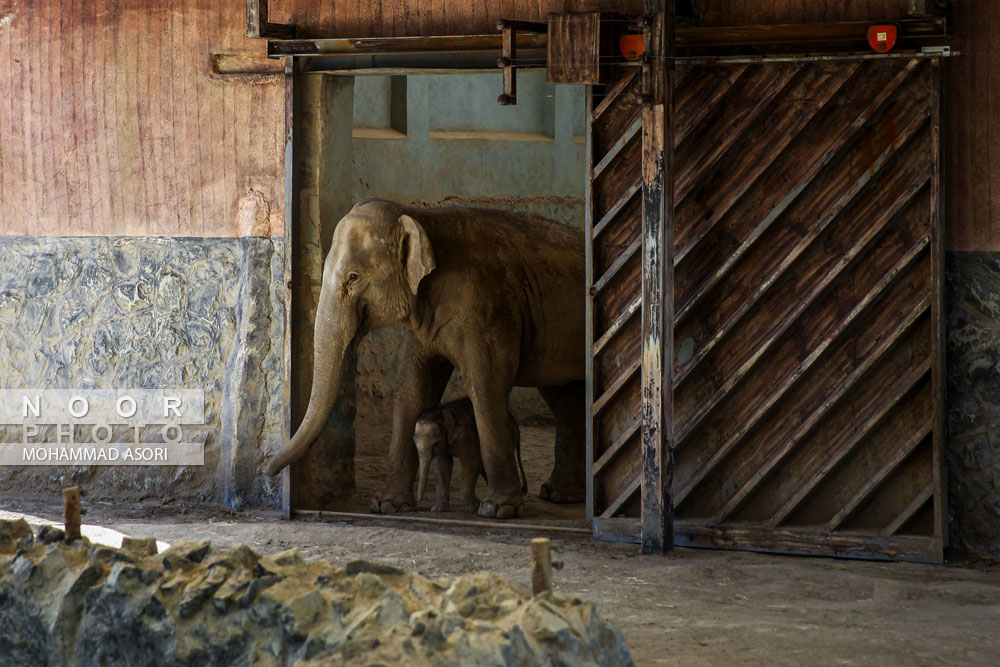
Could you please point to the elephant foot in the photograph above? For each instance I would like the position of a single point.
(492, 509)
(389, 502)
(559, 491)
(470, 506)
(441, 507)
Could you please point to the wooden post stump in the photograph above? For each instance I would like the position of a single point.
(541, 565)
(71, 512)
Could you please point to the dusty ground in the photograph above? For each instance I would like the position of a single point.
(692, 607)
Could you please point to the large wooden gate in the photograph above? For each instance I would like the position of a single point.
(807, 377)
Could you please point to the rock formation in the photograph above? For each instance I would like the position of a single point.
(86, 604)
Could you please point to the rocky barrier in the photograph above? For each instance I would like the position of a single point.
(193, 604)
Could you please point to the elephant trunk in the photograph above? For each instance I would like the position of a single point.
(422, 473)
(331, 343)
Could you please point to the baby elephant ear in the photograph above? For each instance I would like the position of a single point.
(450, 425)
(415, 251)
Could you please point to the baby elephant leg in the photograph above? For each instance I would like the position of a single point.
(442, 482)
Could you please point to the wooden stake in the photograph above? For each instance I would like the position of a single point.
(541, 565)
(71, 511)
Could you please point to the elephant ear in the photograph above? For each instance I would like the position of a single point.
(415, 251)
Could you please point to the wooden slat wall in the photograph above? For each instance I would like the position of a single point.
(388, 18)
(807, 387)
(972, 132)
(752, 12)
(807, 261)
(112, 124)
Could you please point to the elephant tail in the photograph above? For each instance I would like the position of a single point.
(517, 451)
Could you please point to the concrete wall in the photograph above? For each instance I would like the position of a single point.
(459, 145)
(143, 313)
(973, 399)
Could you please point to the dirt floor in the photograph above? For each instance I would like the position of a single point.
(692, 607)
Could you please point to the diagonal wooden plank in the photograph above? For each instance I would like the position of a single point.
(808, 178)
(788, 261)
(688, 123)
(681, 76)
(617, 265)
(623, 497)
(824, 409)
(848, 445)
(615, 92)
(910, 510)
(616, 446)
(613, 212)
(616, 326)
(612, 391)
(876, 480)
(617, 147)
(808, 541)
(685, 182)
(735, 194)
(773, 397)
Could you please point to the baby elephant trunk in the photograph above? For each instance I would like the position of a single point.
(422, 472)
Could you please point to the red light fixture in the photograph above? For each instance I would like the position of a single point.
(631, 46)
(883, 37)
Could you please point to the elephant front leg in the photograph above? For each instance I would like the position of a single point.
(420, 382)
(442, 483)
(489, 388)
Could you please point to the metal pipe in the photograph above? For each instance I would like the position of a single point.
(811, 58)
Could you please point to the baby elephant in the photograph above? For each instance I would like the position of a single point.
(449, 431)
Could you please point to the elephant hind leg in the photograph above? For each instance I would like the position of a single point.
(567, 483)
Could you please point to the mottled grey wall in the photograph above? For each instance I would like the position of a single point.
(125, 312)
(973, 397)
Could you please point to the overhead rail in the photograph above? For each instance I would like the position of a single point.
(918, 31)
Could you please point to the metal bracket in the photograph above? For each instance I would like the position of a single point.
(259, 27)
(943, 51)
(646, 62)
(509, 28)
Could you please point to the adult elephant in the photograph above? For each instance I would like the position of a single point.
(498, 295)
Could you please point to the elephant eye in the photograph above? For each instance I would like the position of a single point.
(352, 278)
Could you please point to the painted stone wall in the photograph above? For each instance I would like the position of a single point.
(145, 312)
(973, 399)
